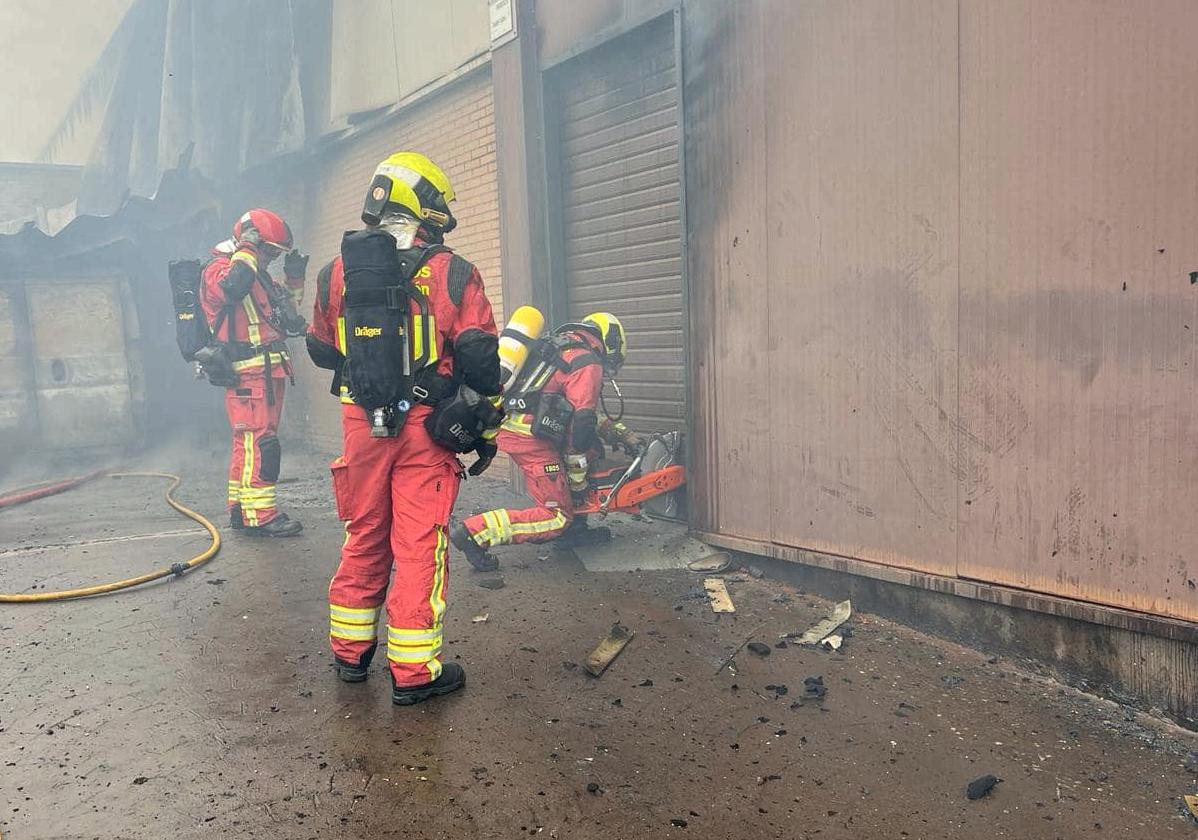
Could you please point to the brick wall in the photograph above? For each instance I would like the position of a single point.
(455, 128)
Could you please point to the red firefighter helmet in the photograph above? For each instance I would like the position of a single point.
(270, 227)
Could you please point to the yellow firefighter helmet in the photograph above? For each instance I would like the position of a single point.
(410, 183)
(615, 343)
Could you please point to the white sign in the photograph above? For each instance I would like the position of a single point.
(503, 22)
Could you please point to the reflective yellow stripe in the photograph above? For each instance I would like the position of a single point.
(353, 632)
(258, 503)
(483, 537)
(417, 335)
(406, 636)
(430, 323)
(499, 529)
(417, 657)
(422, 645)
(251, 314)
(355, 615)
(341, 335)
(503, 525)
(541, 527)
(234, 491)
(258, 361)
(246, 257)
(411, 638)
(247, 475)
(521, 424)
(354, 624)
(437, 597)
(492, 532)
(258, 492)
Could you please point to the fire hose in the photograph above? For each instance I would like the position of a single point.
(176, 569)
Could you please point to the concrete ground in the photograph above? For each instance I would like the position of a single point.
(207, 706)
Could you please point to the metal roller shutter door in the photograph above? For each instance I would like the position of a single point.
(621, 247)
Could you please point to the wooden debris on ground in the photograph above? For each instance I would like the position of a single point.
(608, 649)
(717, 593)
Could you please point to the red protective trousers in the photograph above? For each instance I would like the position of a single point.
(545, 480)
(395, 496)
(254, 466)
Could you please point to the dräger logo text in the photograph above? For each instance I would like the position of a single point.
(367, 332)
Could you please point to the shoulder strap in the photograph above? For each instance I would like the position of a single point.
(419, 256)
(544, 358)
(228, 313)
(561, 344)
(580, 361)
(273, 298)
(414, 258)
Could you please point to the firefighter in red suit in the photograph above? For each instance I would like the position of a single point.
(395, 494)
(555, 473)
(250, 316)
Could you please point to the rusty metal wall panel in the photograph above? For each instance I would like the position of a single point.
(1078, 318)
(616, 115)
(861, 258)
(973, 259)
(726, 171)
(80, 363)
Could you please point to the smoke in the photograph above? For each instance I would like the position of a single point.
(50, 49)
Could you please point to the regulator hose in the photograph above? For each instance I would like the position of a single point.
(603, 400)
(177, 569)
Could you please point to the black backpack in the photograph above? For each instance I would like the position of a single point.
(192, 333)
(384, 345)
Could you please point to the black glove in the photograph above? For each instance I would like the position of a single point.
(486, 450)
(293, 323)
(295, 264)
(217, 367)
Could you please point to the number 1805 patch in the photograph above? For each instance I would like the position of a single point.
(550, 469)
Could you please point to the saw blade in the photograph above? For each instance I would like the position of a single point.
(659, 456)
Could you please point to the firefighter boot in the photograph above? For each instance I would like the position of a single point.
(452, 678)
(356, 673)
(281, 526)
(235, 520)
(481, 559)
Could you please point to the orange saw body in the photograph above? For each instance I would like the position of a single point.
(625, 489)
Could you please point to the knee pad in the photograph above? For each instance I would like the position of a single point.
(268, 447)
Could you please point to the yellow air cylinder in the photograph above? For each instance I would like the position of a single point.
(522, 329)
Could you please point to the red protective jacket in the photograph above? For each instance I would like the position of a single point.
(463, 323)
(224, 279)
(581, 384)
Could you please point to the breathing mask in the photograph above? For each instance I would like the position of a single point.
(402, 227)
